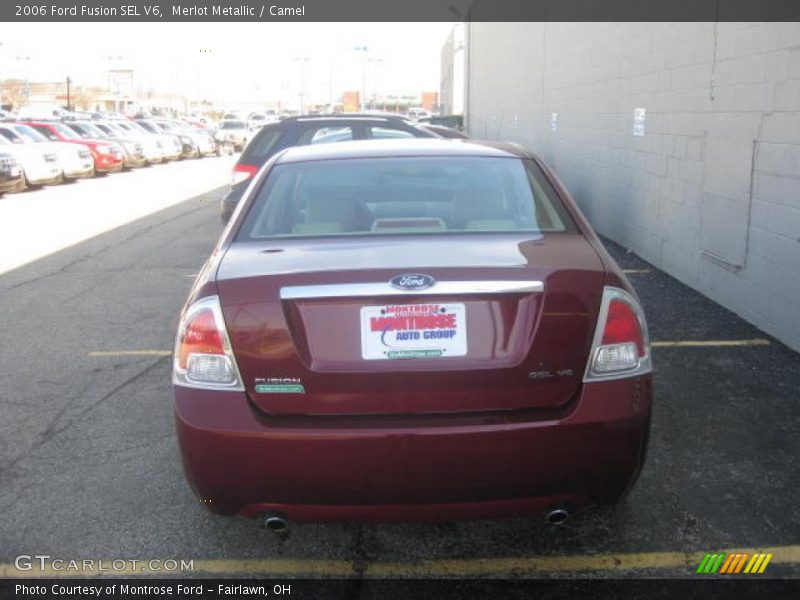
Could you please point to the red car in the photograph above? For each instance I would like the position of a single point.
(410, 330)
(108, 156)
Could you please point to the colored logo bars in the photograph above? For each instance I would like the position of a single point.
(734, 563)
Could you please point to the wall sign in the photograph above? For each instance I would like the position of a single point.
(638, 121)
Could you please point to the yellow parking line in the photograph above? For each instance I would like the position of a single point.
(131, 353)
(636, 271)
(710, 343)
(457, 567)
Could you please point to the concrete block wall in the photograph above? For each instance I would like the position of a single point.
(711, 192)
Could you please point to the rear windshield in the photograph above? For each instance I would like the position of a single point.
(384, 196)
(233, 125)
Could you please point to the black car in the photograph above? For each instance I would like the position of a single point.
(307, 130)
(451, 121)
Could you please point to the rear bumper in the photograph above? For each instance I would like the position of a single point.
(239, 461)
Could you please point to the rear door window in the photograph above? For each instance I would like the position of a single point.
(326, 135)
(262, 146)
(388, 133)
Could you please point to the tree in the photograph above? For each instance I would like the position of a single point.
(14, 93)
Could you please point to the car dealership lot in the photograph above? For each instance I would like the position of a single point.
(89, 467)
(46, 219)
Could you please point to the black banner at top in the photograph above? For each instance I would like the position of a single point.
(397, 10)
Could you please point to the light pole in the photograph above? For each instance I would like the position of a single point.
(375, 63)
(365, 50)
(302, 60)
(68, 104)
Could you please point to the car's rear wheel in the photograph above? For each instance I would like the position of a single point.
(23, 183)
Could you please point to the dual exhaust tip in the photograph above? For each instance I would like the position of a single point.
(557, 514)
(276, 523)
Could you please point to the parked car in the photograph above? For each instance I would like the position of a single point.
(417, 113)
(234, 133)
(10, 173)
(75, 161)
(134, 149)
(152, 146)
(444, 132)
(189, 147)
(256, 121)
(39, 166)
(133, 152)
(206, 145)
(301, 131)
(201, 142)
(108, 156)
(42, 112)
(171, 141)
(419, 330)
(452, 121)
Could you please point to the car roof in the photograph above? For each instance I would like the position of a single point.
(402, 147)
(345, 117)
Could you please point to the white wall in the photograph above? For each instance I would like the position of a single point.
(711, 192)
(451, 91)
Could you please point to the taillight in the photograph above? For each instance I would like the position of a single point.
(621, 347)
(203, 354)
(243, 173)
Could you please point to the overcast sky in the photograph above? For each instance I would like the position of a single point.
(244, 61)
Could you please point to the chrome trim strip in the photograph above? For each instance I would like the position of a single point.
(450, 288)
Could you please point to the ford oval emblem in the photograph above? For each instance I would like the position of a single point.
(412, 282)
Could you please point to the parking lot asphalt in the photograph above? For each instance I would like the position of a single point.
(89, 466)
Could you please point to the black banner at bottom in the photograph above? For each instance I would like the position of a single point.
(440, 589)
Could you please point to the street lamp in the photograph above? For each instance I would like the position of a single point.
(302, 60)
(365, 50)
(375, 63)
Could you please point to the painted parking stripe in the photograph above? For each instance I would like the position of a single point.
(710, 343)
(636, 271)
(461, 567)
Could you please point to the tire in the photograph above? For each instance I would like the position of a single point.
(23, 184)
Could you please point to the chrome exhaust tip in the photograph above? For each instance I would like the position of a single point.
(558, 514)
(276, 523)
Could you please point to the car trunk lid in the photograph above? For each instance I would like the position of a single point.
(507, 325)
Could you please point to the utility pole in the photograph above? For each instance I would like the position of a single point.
(365, 50)
(302, 60)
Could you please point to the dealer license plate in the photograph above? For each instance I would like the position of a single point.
(397, 331)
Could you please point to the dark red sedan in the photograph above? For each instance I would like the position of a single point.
(410, 330)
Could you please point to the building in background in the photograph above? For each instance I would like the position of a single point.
(453, 64)
(351, 101)
(430, 101)
(680, 141)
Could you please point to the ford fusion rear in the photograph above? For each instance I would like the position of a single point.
(410, 330)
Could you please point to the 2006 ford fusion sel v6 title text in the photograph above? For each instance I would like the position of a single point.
(410, 330)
